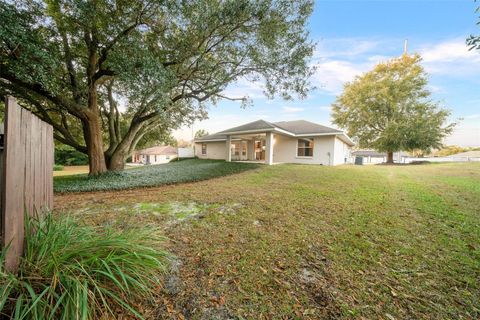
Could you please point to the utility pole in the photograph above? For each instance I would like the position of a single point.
(405, 46)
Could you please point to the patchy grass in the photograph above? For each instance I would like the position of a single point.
(70, 170)
(150, 176)
(313, 242)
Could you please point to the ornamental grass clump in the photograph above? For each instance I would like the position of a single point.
(72, 271)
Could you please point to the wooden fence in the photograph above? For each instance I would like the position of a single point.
(26, 175)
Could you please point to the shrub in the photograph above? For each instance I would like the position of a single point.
(70, 271)
(68, 156)
(57, 167)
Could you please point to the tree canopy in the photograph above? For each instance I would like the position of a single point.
(105, 73)
(390, 108)
(474, 40)
(201, 133)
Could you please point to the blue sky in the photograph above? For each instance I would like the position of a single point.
(352, 36)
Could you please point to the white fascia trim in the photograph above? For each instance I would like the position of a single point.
(347, 138)
(317, 134)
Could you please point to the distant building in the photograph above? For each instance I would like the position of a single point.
(155, 155)
(372, 156)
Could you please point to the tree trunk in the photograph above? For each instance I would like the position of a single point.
(390, 157)
(92, 132)
(116, 162)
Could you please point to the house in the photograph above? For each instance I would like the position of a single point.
(277, 142)
(154, 155)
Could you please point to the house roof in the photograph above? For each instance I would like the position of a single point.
(158, 150)
(467, 154)
(291, 128)
(255, 125)
(304, 127)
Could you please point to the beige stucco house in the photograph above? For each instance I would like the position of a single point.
(277, 142)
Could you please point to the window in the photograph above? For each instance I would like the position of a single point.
(204, 149)
(305, 148)
(155, 158)
(167, 157)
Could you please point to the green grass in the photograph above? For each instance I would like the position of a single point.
(313, 242)
(71, 271)
(151, 176)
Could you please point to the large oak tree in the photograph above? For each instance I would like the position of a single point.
(104, 73)
(390, 108)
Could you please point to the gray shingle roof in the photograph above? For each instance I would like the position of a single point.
(255, 125)
(304, 127)
(296, 127)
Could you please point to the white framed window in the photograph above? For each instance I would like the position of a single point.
(204, 149)
(305, 148)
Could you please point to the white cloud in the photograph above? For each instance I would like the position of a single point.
(331, 75)
(472, 116)
(451, 57)
(344, 47)
(292, 109)
(244, 88)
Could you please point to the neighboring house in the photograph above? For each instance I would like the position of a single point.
(277, 142)
(373, 157)
(154, 155)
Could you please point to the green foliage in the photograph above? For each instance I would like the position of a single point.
(390, 108)
(201, 133)
(67, 156)
(450, 150)
(57, 167)
(156, 137)
(152, 175)
(473, 41)
(71, 271)
(72, 61)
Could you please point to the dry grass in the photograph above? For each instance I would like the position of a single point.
(312, 242)
(71, 170)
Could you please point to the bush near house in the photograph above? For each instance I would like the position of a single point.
(71, 271)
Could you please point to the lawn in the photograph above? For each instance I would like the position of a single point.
(150, 176)
(311, 242)
(71, 170)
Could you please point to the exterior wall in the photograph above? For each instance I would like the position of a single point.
(186, 152)
(327, 150)
(285, 150)
(215, 150)
(341, 152)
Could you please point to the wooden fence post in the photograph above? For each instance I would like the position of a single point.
(26, 176)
